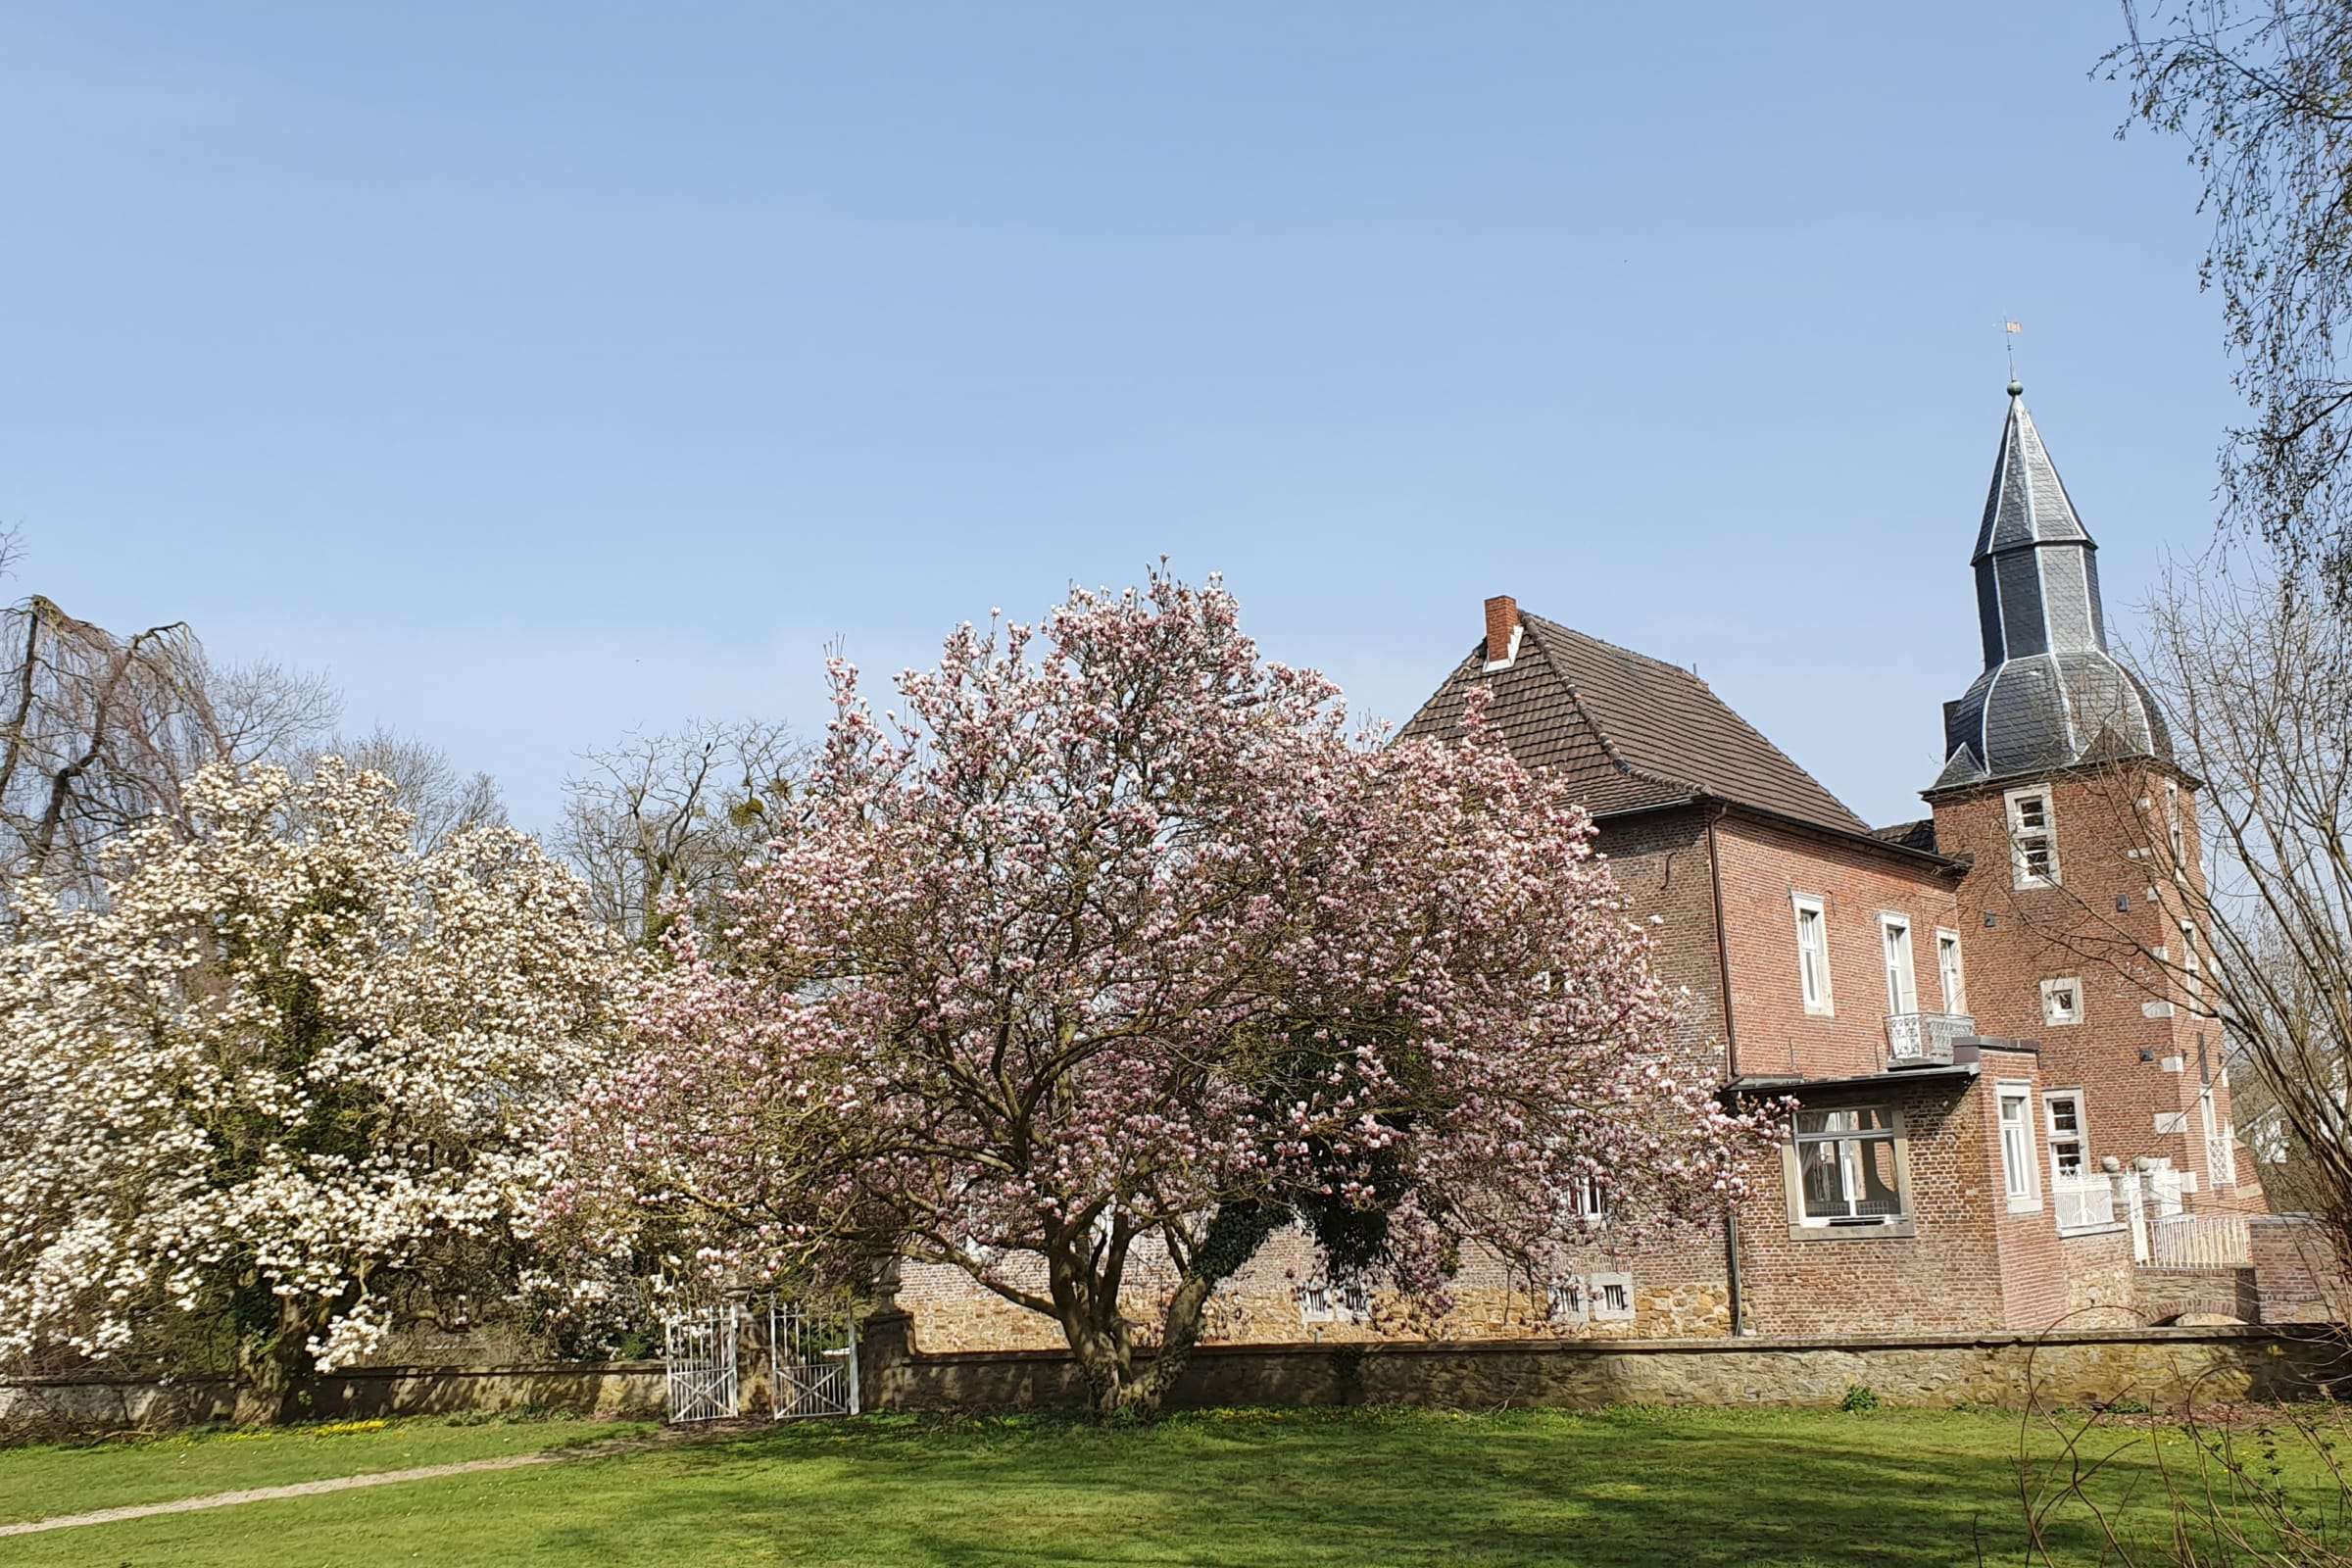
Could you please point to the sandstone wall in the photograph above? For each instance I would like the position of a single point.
(2167, 1369)
(58, 1405)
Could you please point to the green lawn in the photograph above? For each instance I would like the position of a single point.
(1260, 1488)
(40, 1481)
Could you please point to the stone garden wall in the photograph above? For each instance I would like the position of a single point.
(2164, 1369)
(61, 1406)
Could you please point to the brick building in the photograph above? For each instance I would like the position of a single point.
(1968, 1071)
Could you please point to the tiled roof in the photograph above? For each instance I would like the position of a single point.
(1918, 835)
(1634, 732)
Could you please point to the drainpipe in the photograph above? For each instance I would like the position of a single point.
(1730, 1071)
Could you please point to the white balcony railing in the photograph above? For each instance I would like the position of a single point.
(2083, 1203)
(1924, 1039)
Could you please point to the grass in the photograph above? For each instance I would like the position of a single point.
(39, 1482)
(1248, 1488)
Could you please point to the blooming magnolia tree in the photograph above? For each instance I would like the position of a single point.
(285, 1066)
(1113, 949)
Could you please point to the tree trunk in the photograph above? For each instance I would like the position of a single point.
(1118, 1389)
(275, 1371)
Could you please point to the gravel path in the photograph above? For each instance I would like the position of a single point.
(313, 1488)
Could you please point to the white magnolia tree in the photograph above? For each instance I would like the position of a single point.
(285, 1066)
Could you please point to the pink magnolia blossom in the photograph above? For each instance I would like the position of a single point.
(1112, 940)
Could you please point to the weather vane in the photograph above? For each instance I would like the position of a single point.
(2009, 332)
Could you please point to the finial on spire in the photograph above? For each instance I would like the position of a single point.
(2017, 388)
(2009, 334)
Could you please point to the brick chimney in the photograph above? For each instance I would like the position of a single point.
(1503, 631)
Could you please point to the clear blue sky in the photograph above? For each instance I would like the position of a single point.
(546, 372)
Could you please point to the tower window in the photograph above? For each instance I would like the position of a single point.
(2032, 839)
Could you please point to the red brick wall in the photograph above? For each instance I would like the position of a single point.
(2296, 1276)
(1970, 1263)
(1948, 1276)
(1763, 866)
(2112, 904)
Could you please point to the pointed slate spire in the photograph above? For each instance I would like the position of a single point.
(2050, 694)
(2037, 574)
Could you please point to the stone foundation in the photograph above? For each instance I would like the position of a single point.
(2197, 1294)
(2102, 1291)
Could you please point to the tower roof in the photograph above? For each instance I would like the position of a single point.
(2051, 695)
(2028, 504)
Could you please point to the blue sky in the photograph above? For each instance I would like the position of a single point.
(547, 373)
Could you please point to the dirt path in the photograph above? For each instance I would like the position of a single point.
(313, 1488)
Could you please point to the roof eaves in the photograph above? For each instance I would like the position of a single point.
(1845, 835)
(1955, 1074)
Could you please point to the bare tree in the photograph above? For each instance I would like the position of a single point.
(444, 799)
(664, 822)
(99, 732)
(2262, 92)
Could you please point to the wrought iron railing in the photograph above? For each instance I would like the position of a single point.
(1925, 1039)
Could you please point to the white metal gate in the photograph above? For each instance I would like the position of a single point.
(812, 1359)
(697, 1352)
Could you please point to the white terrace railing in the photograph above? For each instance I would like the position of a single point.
(2085, 1204)
(2198, 1241)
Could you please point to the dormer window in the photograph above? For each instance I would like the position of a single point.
(2032, 839)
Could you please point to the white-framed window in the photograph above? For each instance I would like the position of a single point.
(2192, 968)
(2032, 838)
(1329, 1302)
(1612, 1298)
(1903, 981)
(2070, 1137)
(1588, 1201)
(1812, 952)
(2062, 1002)
(2019, 1167)
(1849, 1166)
(1948, 973)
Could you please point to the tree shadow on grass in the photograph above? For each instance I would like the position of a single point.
(1268, 1490)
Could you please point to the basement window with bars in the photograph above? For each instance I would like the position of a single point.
(1849, 1167)
(1327, 1301)
(2032, 839)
